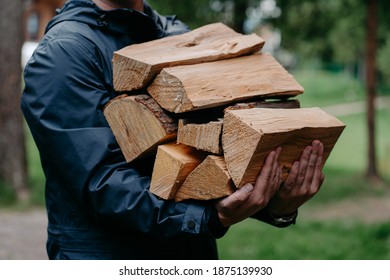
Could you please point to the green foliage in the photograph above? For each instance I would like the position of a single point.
(190, 12)
(331, 30)
(347, 35)
(201, 12)
(305, 26)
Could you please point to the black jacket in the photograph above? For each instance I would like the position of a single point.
(100, 207)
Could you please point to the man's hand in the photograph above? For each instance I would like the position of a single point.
(250, 199)
(303, 182)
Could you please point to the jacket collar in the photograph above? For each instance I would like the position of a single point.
(141, 26)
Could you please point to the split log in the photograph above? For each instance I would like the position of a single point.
(205, 135)
(193, 87)
(135, 66)
(139, 125)
(281, 104)
(210, 180)
(174, 162)
(249, 135)
(202, 136)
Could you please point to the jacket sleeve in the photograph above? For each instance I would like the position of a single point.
(62, 102)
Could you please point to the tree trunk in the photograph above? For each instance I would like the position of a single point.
(371, 48)
(240, 8)
(13, 170)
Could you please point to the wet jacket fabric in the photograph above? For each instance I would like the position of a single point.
(99, 206)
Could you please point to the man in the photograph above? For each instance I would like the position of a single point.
(100, 207)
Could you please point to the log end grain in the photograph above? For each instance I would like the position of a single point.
(139, 125)
(202, 136)
(249, 135)
(174, 162)
(210, 180)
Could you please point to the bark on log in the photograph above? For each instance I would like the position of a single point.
(139, 125)
(135, 66)
(193, 87)
(249, 135)
(210, 180)
(202, 136)
(174, 162)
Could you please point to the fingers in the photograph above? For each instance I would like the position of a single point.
(302, 183)
(232, 202)
(228, 207)
(268, 181)
(307, 173)
(249, 199)
(314, 167)
(303, 165)
(292, 176)
(318, 176)
(270, 168)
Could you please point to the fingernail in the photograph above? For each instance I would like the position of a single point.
(248, 187)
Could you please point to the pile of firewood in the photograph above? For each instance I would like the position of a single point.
(209, 106)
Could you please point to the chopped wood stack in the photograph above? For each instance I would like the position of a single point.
(213, 107)
(135, 66)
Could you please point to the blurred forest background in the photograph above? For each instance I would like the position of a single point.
(340, 53)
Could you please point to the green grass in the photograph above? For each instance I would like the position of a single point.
(35, 180)
(325, 88)
(350, 152)
(306, 241)
(36, 177)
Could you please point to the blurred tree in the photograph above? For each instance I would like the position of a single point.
(347, 32)
(13, 170)
(333, 31)
(305, 26)
(371, 50)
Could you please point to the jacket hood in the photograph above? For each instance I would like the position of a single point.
(124, 21)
